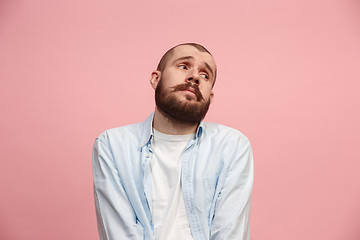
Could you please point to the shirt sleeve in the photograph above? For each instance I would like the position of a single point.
(232, 209)
(114, 213)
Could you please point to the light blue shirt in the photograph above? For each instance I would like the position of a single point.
(216, 178)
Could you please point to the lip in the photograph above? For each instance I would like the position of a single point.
(190, 90)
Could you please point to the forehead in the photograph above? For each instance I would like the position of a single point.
(187, 50)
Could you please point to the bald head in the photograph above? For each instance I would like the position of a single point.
(165, 58)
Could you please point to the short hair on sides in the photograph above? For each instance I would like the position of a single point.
(165, 58)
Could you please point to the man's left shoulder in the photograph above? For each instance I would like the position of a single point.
(216, 130)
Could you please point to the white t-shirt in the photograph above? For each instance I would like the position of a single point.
(168, 209)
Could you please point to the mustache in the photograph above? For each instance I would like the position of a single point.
(185, 86)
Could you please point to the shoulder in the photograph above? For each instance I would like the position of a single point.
(230, 142)
(127, 132)
(223, 133)
(230, 146)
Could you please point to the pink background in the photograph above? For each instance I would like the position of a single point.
(288, 78)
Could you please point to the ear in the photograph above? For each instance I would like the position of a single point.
(155, 78)
(211, 96)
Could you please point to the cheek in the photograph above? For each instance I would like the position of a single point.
(175, 75)
(206, 92)
(168, 80)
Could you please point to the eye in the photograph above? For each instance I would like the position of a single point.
(182, 66)
(204, 75)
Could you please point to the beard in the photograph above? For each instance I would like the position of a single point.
(189, 112)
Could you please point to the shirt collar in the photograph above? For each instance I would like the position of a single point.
(147, 131)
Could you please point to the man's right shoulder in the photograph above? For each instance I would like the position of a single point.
(127, 132)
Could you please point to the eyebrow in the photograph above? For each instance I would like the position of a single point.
(190, 57)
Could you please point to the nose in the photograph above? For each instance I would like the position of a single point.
(194, 77)
(191, 79)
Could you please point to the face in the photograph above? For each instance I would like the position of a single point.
(183, 90)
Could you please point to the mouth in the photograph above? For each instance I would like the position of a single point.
(190, 90)
(189, 87)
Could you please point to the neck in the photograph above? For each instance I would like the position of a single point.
(164, 124)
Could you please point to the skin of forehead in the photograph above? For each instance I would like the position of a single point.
(188, 50)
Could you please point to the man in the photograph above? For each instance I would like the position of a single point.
(174, 176)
